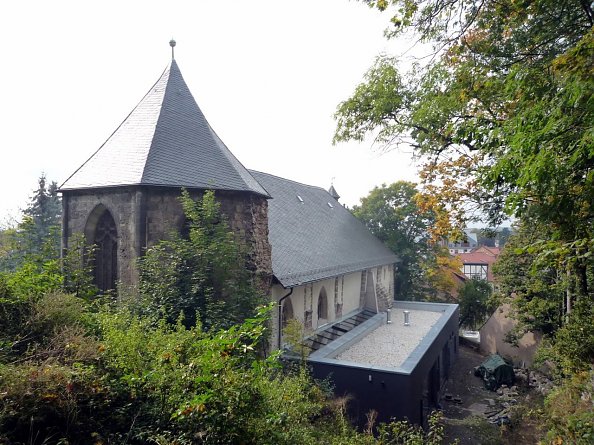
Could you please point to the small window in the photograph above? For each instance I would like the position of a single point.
(299, 198)
(330, 205)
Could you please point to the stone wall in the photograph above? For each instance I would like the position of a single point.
(146, 215)
(494, 332)
(124, 206)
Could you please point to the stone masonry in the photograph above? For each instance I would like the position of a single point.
(145, 215)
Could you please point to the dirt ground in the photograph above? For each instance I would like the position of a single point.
(466, 413)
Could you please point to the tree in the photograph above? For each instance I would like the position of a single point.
(391, 214)
(502, 120)
(507, 78)
(474, 302)
(202, 276)
(532, 288)
(45, 212)
(535, 284)
(503, 235)
(37, 236)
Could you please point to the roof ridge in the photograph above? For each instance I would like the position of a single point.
(288, 180)
(167, 68)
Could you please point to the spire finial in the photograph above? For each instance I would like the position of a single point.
(172, 45)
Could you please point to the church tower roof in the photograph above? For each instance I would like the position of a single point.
(165, 141)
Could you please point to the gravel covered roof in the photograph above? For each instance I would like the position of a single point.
(165, 141)
(389, 345)
(313, 236)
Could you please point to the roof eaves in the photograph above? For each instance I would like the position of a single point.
(310, 276)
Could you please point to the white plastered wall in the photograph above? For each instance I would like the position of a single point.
(344, 289)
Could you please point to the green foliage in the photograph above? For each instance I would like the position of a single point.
(569, 411)
(572, 345)
(535, 278)
(475, 304)
(204, 277)
(391, 214)
(29, 323)
(77, 268)
(510, 88)
(402, 432)
(80, 373)
(534, 291)
(183, 379)
(293, 334)
(32, 280)
(37, 237)
(503, 121)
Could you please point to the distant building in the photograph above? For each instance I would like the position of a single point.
(467, 244)
(478, 263)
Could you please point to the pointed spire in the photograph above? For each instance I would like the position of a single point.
(333, 192)
(165, 141)
(172, 45)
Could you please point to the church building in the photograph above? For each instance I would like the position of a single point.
(306, 251)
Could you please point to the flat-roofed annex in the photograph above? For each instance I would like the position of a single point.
(435, 316)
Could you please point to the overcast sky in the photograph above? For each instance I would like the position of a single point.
(268, 76)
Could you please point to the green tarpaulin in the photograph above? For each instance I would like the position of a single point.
(495, 372)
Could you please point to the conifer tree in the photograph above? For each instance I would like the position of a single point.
(37, 237)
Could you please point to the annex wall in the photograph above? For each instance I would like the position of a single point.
(494, 332)
(343, 293)
(409, 391)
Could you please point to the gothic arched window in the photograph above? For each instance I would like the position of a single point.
(102, 232)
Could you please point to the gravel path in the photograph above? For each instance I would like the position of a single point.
(390, 344)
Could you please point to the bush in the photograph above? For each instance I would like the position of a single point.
(569, 411)
(203, 276)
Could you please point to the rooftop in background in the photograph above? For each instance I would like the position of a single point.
(478, 263)
(490, 251)
(313, 236)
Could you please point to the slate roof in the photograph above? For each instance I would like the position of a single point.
(315, 238)
(165, 141)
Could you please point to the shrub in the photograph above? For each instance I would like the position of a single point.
(569, 410)
(203, 276)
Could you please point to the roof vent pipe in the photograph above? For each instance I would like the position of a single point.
(388, 316)
(406, 318)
